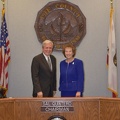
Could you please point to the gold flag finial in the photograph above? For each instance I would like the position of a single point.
(3, 9)
(3, 2)
(111, 1)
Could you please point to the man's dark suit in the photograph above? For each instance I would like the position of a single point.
(44, 80)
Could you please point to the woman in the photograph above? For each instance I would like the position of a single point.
(71, 74)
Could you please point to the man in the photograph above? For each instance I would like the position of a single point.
(43, 75)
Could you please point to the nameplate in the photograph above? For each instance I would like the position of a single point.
(57, 106)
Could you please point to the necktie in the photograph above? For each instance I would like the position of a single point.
(49, 63)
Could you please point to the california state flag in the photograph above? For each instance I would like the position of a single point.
(112, 58)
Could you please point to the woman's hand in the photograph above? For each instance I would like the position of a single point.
(78, 94)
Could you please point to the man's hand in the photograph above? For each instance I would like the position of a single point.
(39, 94)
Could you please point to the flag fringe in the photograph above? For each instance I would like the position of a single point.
(116, 93)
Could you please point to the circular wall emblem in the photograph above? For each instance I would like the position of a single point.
(62, 22)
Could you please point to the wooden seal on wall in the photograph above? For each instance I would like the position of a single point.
(62, 22)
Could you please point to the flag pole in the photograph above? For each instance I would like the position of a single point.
(111, 11)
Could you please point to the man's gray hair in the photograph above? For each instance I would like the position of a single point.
(47, 42)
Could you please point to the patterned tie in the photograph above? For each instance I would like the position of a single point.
(49, 63)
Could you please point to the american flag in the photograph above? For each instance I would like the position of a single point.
(4, 54)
